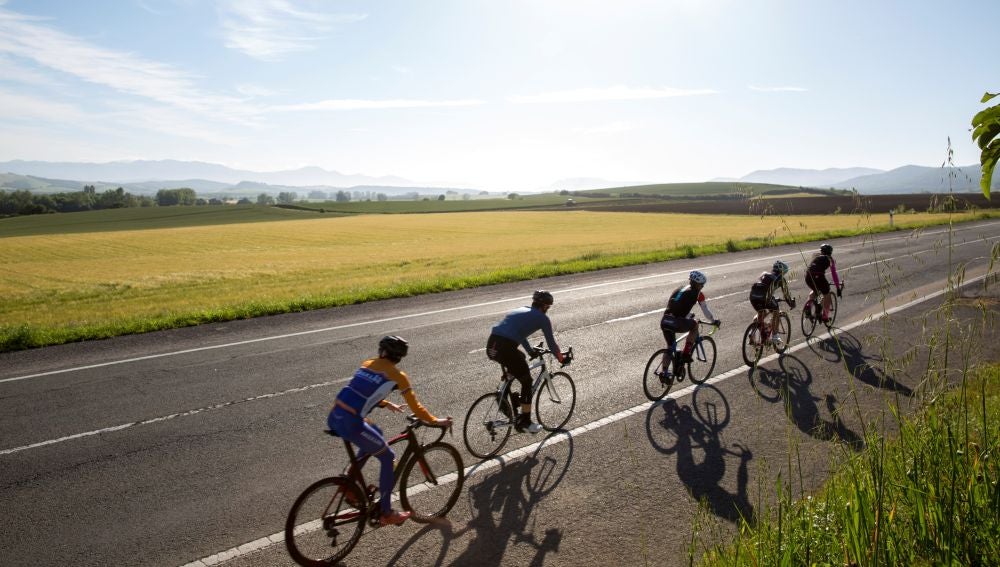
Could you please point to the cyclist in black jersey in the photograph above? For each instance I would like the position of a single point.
(817, 282)
(676, 320)
(762, 299)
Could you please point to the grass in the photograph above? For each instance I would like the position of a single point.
(71, 286)
(929, 497)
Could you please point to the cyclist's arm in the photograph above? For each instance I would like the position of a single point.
(704, 309)
(550, 339)
(833, 272)
(403, 383)
(785, 291)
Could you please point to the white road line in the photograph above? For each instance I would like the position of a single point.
(170, 416)
(384, 320)
(556, 438)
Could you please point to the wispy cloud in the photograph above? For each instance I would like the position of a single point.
(359, 104)
(24, 37)
(270, 29)
(14, 106)
(608, 94)
(778, 89)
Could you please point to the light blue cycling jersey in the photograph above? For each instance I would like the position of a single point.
(521, 323)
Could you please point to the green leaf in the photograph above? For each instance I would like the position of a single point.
(988, 95)
(986, 132)
(988, 160)
(987, 115)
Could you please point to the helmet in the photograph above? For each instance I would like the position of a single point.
(826, 249)
(697, 277)
(779, 267)
(394, 347)
(542, 296)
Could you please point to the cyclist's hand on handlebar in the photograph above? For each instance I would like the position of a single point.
(535, 353)
(840, 290)
(393, 407)
(445, 423)
(717, 323)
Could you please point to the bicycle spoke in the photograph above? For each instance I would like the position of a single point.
(487, 425)
(555, 401)
(323, 524)
(657, 378)
(431, 481)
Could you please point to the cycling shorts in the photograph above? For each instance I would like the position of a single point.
(505, 351)
(818, 283)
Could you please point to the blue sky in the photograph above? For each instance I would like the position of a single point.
(497, 94)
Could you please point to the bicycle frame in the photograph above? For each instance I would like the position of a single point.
(699, 349)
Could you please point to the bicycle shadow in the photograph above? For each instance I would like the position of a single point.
(791, 381)
(684, 430)
(847, 348)
(502, 505)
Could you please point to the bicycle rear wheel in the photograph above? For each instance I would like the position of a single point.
(657, 378)
(487, 425)
(702, 360)
(323, 526)
(753, 344)
(431, 482)
(808, 322)
(555, 401)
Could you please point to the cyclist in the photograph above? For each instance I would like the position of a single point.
(817, 282)
(675, 318)
(762, 299)
(368, 388)
(514, 330)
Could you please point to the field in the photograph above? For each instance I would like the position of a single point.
(68, 286)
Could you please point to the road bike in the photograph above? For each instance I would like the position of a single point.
(658, 377)
(327, 519)
(757, 336)
(491, 418)
(812, 313)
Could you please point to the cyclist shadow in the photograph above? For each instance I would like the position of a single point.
(791, 382)
(501, 506)
(684, 430)
(866, 368)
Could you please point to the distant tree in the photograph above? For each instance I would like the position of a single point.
(440, 197)
(287, 197)
(484, 192)
(318, 195)
(986, 132)
(200, 202)
(265, 199)
(216, 201)
(244, 201)
(343, 196)
(513, 196)
(182, 196)
(381, 197)
(465, 196)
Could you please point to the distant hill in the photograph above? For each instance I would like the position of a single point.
(123, 172)
(919, 179)
(585, 183)
(808, 177)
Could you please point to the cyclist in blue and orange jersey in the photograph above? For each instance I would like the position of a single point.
(675, 318)
(816, 279)
(762, 299)
(368, 388)
(514, 330)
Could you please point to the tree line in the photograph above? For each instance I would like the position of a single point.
(23, 202)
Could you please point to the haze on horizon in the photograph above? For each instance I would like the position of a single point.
(493, 95)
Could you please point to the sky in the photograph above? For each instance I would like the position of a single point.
(498, 94)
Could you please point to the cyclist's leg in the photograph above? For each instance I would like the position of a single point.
(823, 288)
(691, 338)
(370, 441)
(669, 329)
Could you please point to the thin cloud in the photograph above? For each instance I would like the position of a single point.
(15, 106)
(778, 89)
(270, 29)
(359, 104)
(608, 94)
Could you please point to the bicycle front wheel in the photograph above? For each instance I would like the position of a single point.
(784, 332)
(431, 482)
(657, 379)
(833, 310)
(702, 360)
(555, 401)
(323, 526)
(753, 344)
(487, 425)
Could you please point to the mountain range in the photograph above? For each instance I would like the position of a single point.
(905, 179)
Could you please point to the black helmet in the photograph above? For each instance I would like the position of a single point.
(826, 249)
(542, 296)
(394, 347)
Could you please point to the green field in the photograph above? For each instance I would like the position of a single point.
(77, 282)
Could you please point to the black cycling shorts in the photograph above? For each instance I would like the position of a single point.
(818, 283)
(672, 324)
(505, 351)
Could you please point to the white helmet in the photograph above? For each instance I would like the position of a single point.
(697, 277)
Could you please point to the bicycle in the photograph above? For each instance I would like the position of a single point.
(658, 377)
(812, 313)
(490, 419)
(327, 519)
(756, 338)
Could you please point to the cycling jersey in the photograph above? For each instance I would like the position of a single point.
(682, 300)
(762, 291)
(521, 323)
(820, 263)
(371, 384)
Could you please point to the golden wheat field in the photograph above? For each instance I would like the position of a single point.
(95, 278)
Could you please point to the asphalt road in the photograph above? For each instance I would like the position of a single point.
(171, 447)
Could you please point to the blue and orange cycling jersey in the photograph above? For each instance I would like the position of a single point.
(372, 383)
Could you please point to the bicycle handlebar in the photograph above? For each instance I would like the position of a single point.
(567, 355)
